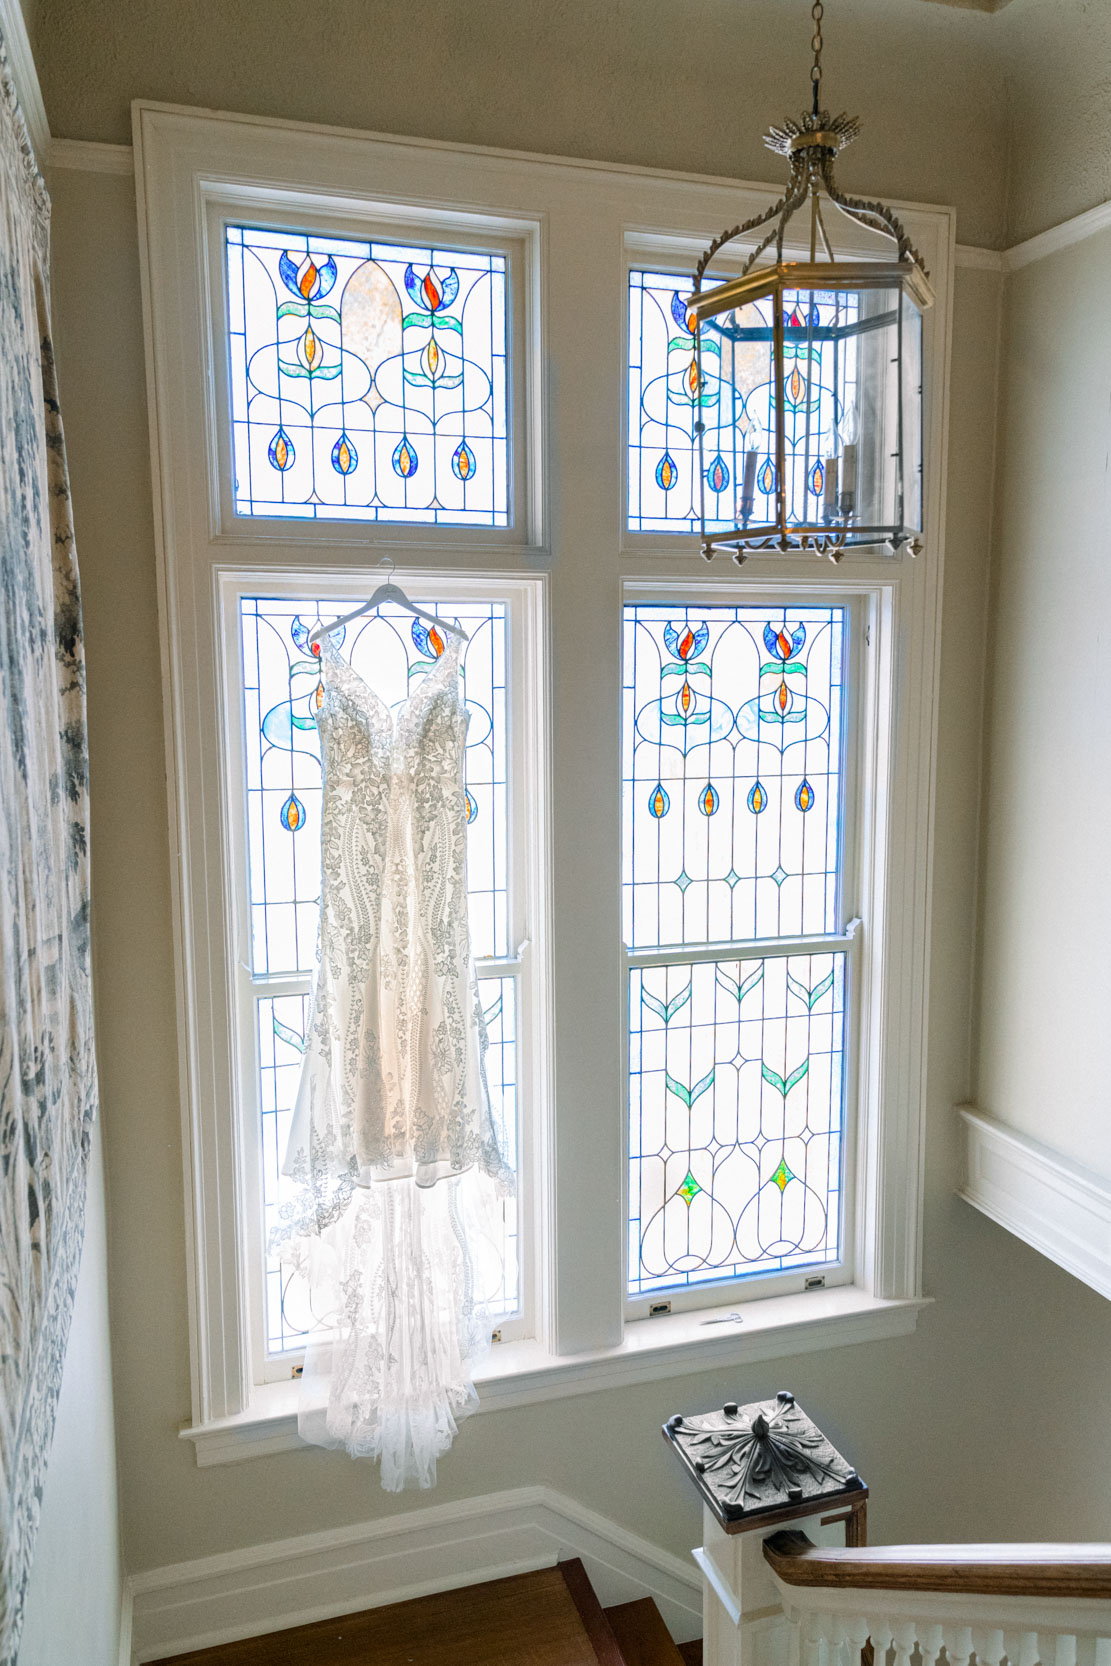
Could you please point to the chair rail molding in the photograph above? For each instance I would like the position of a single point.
(291, 1582)
(1051, 1203)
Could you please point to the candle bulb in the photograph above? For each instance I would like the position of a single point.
(829, 494)
(748, 485)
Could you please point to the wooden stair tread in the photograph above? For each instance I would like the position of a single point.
(547, 1618)
(641, 1635)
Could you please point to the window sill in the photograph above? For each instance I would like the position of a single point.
(524, 1373)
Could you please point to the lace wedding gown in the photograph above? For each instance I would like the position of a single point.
(396, 1220)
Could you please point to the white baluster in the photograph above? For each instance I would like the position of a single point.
(930, 1643)
(905, 1638)
(958, 1644)
(1103, 1651)
(882, 1634)
(987, 1645)
(1029, 1653)
(1066, 1651)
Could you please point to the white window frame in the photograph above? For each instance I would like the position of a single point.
(577, 227)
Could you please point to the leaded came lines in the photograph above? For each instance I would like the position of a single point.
(281, 689)
(732, 773)
(735, 1098)
(732, 786)
(368, 379)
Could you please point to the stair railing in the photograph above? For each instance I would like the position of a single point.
(773, 1597)
(1026, 1604)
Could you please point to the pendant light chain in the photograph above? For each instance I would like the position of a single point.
(817, 12)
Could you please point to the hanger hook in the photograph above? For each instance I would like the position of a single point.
(388, 563)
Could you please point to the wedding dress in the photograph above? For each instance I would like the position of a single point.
(396, 1217)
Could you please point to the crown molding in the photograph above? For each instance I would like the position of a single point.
(21, 62)
(1053, 1204)
(88, 156)
(1081, 226)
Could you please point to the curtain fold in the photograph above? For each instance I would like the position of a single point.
(47, 1067)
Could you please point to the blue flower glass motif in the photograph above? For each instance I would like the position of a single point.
(658, 802)
(405, 458)
(717, 475)
(345, 459)
(804, 797)
(817, 479)
(427, 640)
(462, 461)
(708, 800)
(782, 645)
(306, 278)
(680, 314)
(434, 291)
(765, 480)
(688, 644)
(757, 799)
(281, 452)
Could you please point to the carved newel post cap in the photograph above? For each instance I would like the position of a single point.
(766, 1462)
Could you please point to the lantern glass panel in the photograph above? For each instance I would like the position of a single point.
(847, 392)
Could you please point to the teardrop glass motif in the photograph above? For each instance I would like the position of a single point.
(757, 798)
(666, 472)
(766, 478)
(717, 475)
(405, 459)
(817, 479)
(658, 802)
(281, 452)
(470, 808)
(804, 797)
(462, 461)
(293, 814)
(708, 800)
(345, 459)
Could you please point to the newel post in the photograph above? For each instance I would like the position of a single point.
(759, 1468)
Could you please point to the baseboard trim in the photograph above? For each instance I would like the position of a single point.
(1059, 1208)
(245, 1593)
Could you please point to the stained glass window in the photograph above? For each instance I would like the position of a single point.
(732, 772)
(734, 403)
(732, 787)
(281, 681)
(736, 1091)
(368, 379)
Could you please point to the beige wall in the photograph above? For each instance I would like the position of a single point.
(949, 1426)
(72, 1617)
(1045, 1047)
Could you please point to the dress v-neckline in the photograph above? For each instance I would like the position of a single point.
(393, 716)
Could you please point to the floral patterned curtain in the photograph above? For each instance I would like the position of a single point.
(47, 1069)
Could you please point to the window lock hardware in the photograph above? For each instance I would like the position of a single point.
(495, 1336)
(297, 1371)
(818, 1282)
(656, 1308)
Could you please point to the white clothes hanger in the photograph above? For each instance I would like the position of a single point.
(387, 592)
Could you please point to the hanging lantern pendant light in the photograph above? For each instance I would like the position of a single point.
(812, 369)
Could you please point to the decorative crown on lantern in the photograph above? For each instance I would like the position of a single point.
(811, 370)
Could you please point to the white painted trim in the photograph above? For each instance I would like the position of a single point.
(90, 157)
(127, 1623)
(1050, 1202)
(290, 1582)
(970, 258)
(522, 1373)
(1049, 242)
(26, 77)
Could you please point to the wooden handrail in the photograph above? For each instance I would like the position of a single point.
(1020, 1570)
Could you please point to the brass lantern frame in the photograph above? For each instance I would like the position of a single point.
(812, 146)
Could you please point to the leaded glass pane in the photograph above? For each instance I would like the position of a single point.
(289, 1317)
(281, 680)
(736, 403)
(368, 379)
(389, 649)
(735, 1127)
(732, 764)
